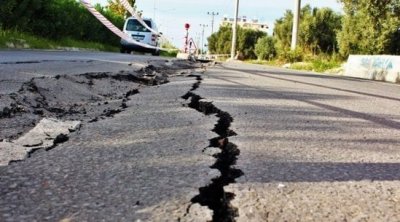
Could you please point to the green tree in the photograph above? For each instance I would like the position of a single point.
(117, 8)
(247, 40)
(317, 32)
(370, 27)
(19, 13)
(318, 29)
(221, 41)
(265, 48)
(283, 31)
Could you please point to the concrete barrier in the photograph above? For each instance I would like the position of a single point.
(182, 55)
(381, 67)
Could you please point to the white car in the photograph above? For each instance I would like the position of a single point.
(139, 33)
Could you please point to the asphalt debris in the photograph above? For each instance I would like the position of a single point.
(87, 97)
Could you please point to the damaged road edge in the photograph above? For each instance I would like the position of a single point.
(213, 195)
(86, 97)
(47, 134)
(55, 118)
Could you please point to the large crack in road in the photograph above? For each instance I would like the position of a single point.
(213, 195)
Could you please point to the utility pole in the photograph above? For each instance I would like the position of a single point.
(202, 37)
(213, 14)
(154, 10)
(234, 30)
(198, 37)
(296, 22)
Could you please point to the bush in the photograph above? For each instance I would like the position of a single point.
(291, 56)
(265, 48)
(58, 19)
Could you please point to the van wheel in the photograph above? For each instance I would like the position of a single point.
(156, 53)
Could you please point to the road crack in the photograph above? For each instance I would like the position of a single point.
(213, 195)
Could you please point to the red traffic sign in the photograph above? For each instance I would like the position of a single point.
(187, 26)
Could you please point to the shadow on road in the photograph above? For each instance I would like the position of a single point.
(272, 74)
(325, 172)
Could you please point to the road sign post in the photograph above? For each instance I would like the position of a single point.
(187, 26)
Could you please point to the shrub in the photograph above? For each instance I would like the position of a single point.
(58, 19)
(265, 48)
(291, 56)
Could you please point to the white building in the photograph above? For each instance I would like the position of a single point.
(243, 22)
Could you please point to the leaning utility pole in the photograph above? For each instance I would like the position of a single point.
(234, 30)
(212, 20)
(296, 22)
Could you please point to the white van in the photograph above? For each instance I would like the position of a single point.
(138, 32)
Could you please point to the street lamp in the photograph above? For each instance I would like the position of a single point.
(213, 14)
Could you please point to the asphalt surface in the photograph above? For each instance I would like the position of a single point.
(236, 142)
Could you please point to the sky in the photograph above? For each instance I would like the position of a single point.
(171, 15)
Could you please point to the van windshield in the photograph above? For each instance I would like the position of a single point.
(135, 26)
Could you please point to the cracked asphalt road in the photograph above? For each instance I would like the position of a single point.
(145, 163)
(313, 147)
(308, 147)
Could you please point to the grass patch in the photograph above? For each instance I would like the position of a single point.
(315, 64)
(16, 39)
(324, 65)
(170, 53)
(308, 66)
(274, 62)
